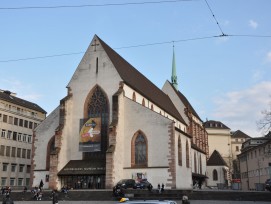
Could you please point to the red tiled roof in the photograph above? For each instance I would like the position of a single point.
(140, 83)
(185, 102)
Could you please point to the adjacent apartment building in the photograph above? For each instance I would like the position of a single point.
(255, 162)
(18, 118)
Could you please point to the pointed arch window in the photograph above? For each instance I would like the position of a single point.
(187, 154)
(97, 105)
(143, 102)
(151, 106)
(214, 175)
(134, 96)
(139, 150)
(50, 149)
(180, 161)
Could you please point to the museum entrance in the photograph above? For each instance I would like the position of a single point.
(83, 174)
(83, 181)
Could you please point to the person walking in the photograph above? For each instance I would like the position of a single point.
(55, 196)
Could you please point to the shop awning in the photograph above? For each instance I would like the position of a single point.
(82, 167)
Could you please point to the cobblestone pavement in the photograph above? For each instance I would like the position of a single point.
(115, 202)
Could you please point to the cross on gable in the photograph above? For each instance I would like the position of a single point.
(95, 45)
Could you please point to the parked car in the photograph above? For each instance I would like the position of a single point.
(268, 184)
(143, 184)
(125, 183)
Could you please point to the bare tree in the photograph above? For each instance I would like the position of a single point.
(264, 124)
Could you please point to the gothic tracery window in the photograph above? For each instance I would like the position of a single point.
(97, 106)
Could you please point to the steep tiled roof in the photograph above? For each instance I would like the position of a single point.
(216, 160)
(214, 124)
(186, 102)
(239, 134)
(5, 96)
(140, 83)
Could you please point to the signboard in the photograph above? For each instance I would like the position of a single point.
(90, 136)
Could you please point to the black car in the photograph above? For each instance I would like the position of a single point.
(268, 184)
(143, 184)
(126, 183)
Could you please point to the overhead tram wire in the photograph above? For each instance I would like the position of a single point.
(125, 47)
(135, 46)
(223, 34)
(93, 5)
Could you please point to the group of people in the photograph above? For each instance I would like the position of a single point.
(37, 191)
(161, 188)
(6, 192)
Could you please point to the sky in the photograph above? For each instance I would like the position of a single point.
(223, 62)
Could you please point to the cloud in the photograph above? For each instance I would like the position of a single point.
(268, 56)
(240, 110)
(253, 24)
(24, 91)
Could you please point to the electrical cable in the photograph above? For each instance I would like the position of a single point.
(125, 47)
(215, 18)
(91, 5)
(141, 45)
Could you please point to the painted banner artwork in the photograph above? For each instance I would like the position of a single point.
(90, 136)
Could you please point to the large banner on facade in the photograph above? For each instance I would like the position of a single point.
(90, 135)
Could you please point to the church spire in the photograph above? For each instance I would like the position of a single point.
(174, 75)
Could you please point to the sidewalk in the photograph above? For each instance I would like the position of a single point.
(115, 202)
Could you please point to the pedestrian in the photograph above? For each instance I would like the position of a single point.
(55, 196)
(25, 189)
(163, 188)
(158, 188)
(41, 184)
(7, 200)
(2, 190)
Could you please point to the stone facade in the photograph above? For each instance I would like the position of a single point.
(129, 112)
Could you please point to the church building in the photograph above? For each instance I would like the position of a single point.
(116, 124)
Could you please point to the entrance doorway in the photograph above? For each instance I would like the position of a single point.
(83, 181)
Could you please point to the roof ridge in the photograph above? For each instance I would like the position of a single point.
(141, 83)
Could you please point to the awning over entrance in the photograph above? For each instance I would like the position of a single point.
(83, 167)
(195, 175)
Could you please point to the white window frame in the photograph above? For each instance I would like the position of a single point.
(20, 181)
(3, 181)
(12, 181)
(24, 138)
(29, 139)
(3, 133)
(5, 167)
(13, 167)
(9, 134)
(19, 136)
